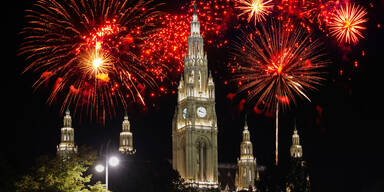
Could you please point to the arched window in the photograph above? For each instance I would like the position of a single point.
(202, 160)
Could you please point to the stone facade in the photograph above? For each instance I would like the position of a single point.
(194, 125)
(296, 149)
(67, 138)
(126, 137)
(246, 164)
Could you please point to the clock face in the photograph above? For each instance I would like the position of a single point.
(185, 113)
(201, 112)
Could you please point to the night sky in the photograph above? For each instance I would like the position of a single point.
(340, 129)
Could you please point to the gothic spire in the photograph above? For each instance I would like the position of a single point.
(246, 171)
(195, 24)
(246, 134)
(126, 142)
(296, 149)
(246, 124)
(67, 118)
(67, 112)
(125, 115)
(67, 137)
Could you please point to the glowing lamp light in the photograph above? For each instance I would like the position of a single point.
(113, 161)
(97, 62)
(99, 168)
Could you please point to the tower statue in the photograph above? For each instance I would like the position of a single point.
(246, 164)
(67, 139)
(126, 142)
(194, 125)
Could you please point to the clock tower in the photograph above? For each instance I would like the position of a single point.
(194, 125)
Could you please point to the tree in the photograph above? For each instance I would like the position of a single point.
(297, 179)
(59, 174)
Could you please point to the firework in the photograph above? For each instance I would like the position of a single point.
(90, 49)
(346, 25)
(277, 65)
(256, 9)
(311, 13)
(169, 43)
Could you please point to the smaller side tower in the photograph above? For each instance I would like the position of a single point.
(126, 138)
(246, 170)
(296, 149)
(298, 177)
(67, 143)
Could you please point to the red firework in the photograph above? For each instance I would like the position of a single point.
(169, 43)
(276, 64)
(256, 9)
(90, 49)
(347, 24)
(310, 12)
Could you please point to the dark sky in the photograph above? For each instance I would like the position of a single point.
(343, 146)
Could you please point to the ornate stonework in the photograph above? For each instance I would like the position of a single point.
(194, 125)
(126, 138)
(67, 141)
(246, 164)
(296, 149)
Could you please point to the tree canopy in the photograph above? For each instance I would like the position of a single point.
(53, 174)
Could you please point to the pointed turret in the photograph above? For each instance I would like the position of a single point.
(126, 142)
(195, 24)
(246, 173)
(296, 149)
(67, 119)
(246, 149)
(211, 86)
(67, 138)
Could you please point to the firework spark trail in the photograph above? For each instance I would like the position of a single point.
(256, 9)
(346, 25)
(90, 47)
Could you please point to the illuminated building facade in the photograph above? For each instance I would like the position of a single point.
(246, 164)
(296, 149)
(126, 137)
(194, 125)
(67, 141)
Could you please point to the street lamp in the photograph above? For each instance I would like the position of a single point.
(99, 168)
(113, 161)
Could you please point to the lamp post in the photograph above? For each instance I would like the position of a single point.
(113, 161)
